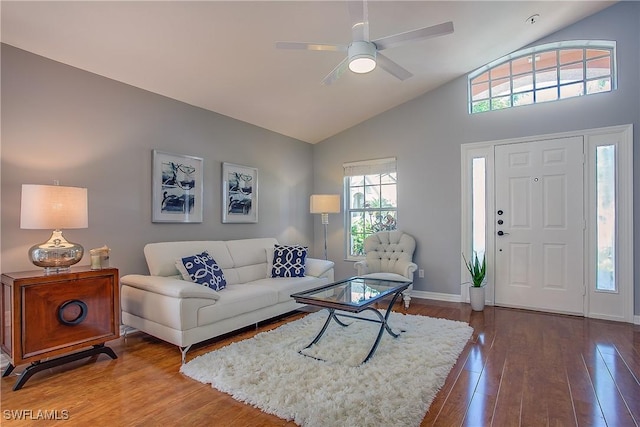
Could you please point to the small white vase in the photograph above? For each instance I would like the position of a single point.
(476, 297)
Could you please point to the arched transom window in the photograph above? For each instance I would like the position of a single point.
(543, 73)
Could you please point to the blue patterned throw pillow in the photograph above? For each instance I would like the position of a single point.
(202, 269)
(288, 261)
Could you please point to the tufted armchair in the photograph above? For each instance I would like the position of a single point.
(389, 255)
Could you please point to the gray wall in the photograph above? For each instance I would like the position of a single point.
(425, 136)
(84, 130)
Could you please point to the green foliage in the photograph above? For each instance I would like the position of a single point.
(476, 270)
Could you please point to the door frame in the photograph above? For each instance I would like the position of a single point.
(597, 304)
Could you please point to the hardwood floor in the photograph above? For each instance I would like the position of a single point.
(520, 368)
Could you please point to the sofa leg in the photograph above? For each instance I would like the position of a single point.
(183, 351)
(407, 299)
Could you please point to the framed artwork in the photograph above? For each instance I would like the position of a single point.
(239, 193)
(177, 188)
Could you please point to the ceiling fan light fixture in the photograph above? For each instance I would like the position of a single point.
(362, 57)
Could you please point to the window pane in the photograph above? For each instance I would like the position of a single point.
(478, 206)
(569, 91)
(479, 91)
(356, 227)
(500, 87)
(523, 98)
(571, 73)
(372, 196)
(546, 78)
(600, 85)
(546, 60)
(606, 217)
(388, 196)
(598, 67)
(356, 197)
(388, 178)
(481, 78)
(523, 83)
(499, 103)
(592, 53)
(356, 180)
(545, 95)
(522, 65)
(571, 55)
(500, 71)
(480, 106)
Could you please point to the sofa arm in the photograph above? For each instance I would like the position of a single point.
(317, 267)
(169, 286)
(362, 267)
(406, 268)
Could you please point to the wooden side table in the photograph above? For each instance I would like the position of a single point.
(56, 314)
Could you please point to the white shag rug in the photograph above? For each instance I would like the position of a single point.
(394, 388)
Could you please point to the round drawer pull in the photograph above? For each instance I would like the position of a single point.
(68, 304)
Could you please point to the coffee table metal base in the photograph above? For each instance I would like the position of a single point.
(382, 320)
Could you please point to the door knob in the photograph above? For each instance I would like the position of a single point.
(501, 233)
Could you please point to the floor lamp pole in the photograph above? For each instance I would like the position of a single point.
(325, 222)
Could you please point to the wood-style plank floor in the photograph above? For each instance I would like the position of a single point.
(520, 368)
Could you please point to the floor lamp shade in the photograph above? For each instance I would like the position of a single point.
(324, 204)
(53, 207)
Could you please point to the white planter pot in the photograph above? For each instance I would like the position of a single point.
(476, 298)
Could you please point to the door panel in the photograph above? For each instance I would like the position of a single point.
(539, 196)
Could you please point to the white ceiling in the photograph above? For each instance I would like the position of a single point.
(220, 55)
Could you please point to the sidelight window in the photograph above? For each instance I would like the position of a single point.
(606, 218)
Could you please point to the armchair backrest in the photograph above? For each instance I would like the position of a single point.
(384, 249)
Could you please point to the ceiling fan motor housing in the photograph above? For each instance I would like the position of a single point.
(362, 56)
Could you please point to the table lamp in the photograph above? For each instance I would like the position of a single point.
(325, 204)
(54, 207)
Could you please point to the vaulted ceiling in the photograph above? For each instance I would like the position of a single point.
(221, 55)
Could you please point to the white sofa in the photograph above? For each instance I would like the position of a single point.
(183, 313)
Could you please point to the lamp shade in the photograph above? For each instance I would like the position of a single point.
(324, 203)
(53, 207)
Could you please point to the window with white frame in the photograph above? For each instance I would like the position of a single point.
(543, 73)
(371, 198)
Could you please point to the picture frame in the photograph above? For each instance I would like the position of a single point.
(239, 193)
(177, 188)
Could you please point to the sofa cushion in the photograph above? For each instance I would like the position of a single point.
(285, 286)
(288, 261)
(237, 300)
(202, 269)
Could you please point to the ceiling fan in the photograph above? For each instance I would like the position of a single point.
(363, 54)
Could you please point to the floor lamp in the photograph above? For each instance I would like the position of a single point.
(325, 204)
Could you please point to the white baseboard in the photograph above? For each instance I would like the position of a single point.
(636, 320)
(436, 296)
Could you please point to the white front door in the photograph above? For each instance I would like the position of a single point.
(539, 262)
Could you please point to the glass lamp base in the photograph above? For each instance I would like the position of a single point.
(57, 254)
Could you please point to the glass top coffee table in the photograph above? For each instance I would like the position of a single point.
(352, 296)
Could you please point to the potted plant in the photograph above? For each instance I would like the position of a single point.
(478, 273)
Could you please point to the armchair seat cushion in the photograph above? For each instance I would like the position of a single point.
(386, 276)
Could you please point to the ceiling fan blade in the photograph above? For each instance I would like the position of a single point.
(392, 67)
(311, 46)
(336, 72)
(414, 35)
(359, 14)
